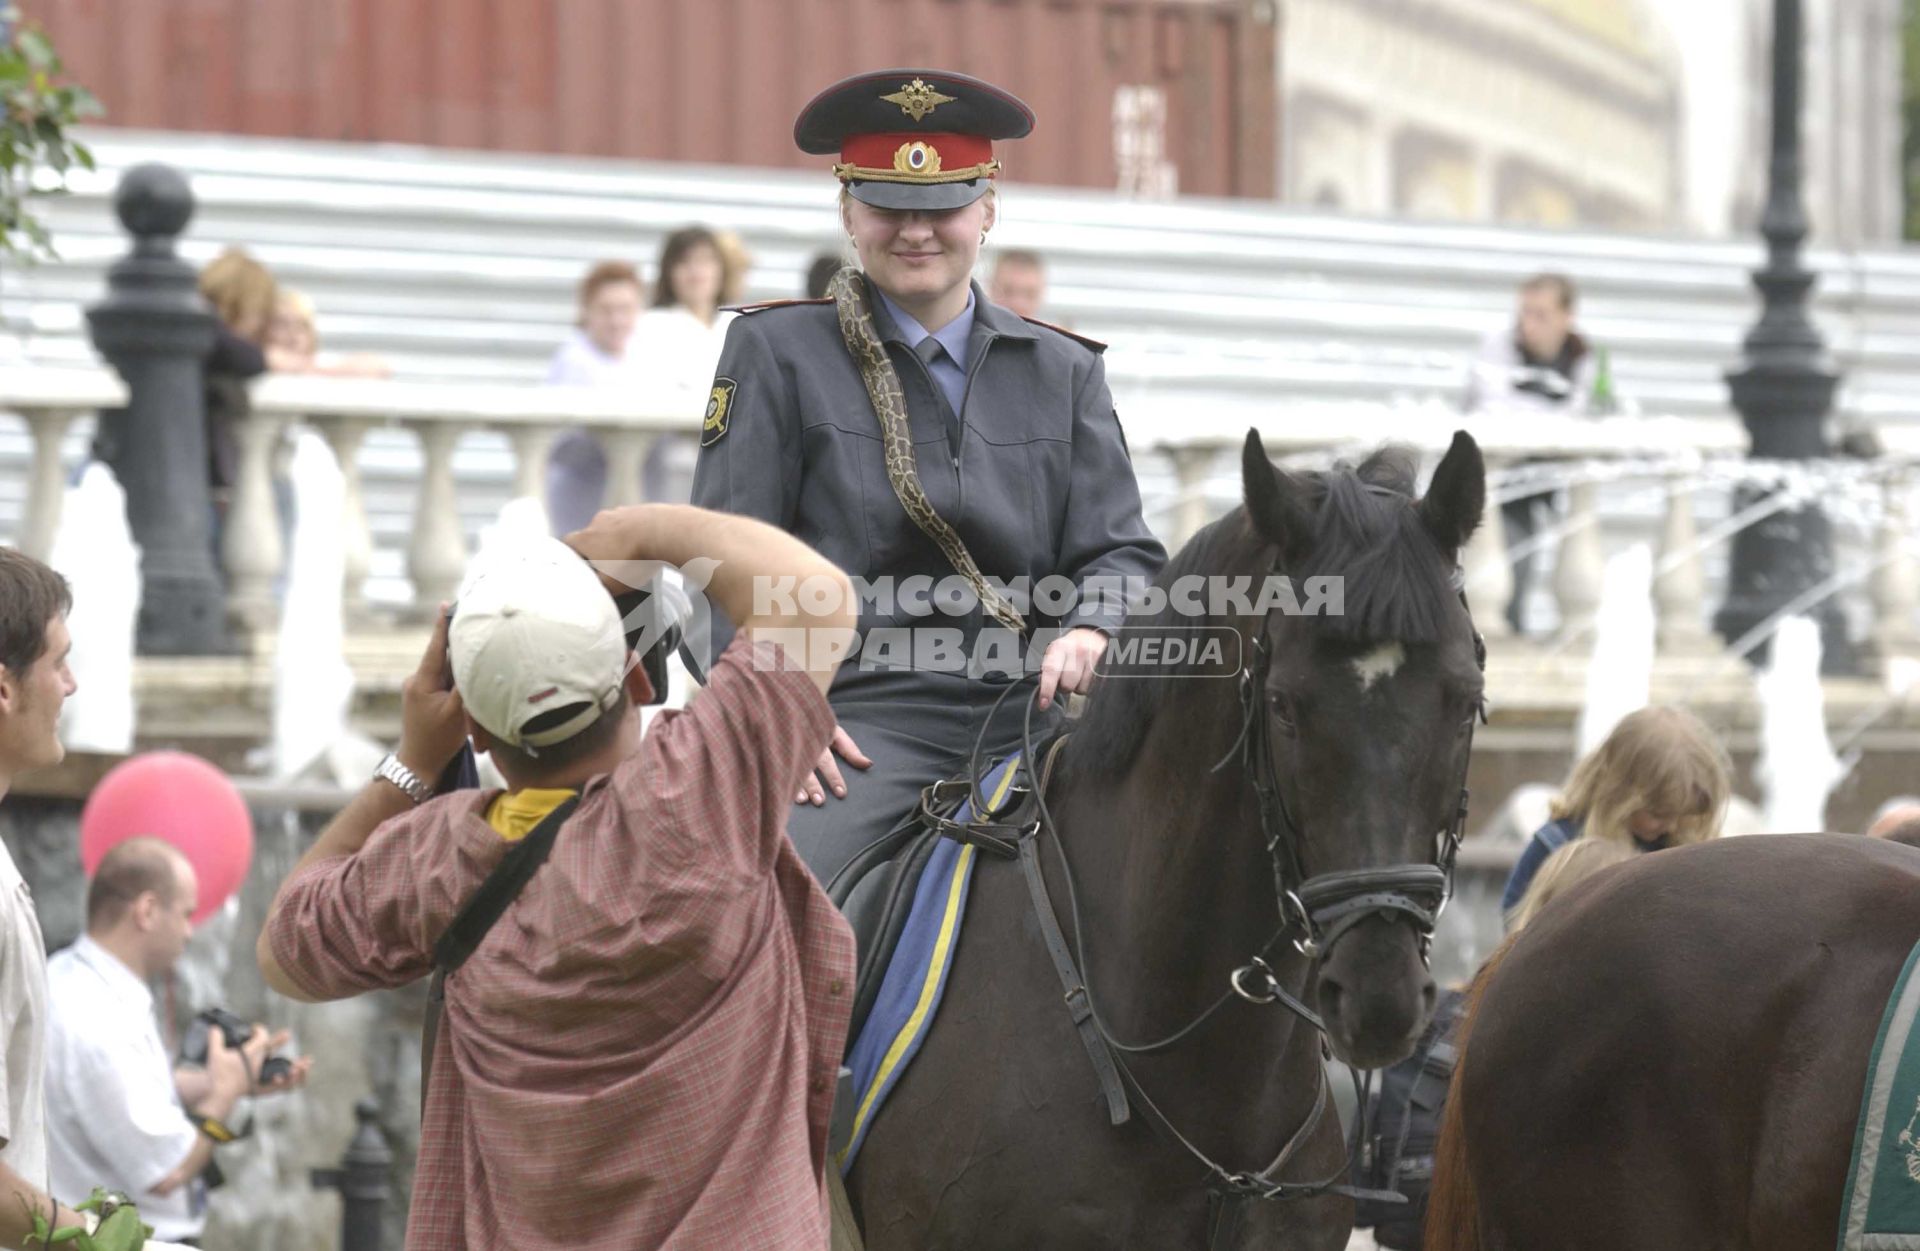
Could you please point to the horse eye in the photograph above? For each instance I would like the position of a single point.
(1281, 712)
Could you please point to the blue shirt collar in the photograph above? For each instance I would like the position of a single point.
(953, 336)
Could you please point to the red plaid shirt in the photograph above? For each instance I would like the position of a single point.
(642, 1053)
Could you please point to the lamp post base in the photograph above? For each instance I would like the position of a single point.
(1772, 563)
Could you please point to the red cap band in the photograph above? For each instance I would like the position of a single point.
(919, 156)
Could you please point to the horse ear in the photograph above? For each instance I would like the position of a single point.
(1273, 500)
(1457, 496)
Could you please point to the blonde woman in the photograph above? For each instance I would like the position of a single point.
(1573, 863)
(242, 294)
(293, 343)
(1660, 780)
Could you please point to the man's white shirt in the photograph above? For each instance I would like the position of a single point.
(115, 1117)
(23, 1024)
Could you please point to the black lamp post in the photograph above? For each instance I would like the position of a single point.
(1783, 392)
(156, 330)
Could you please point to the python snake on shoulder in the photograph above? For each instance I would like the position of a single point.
(849, 294)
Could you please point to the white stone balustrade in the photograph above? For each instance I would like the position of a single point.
(49, 400)
(1659, 457)
(438, 416)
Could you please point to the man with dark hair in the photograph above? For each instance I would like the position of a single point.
(1019, 282)
(642, 1050)
(1539, 364)
(119, 1109)
(34, 682)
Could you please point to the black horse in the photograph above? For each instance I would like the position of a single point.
(1299, 804)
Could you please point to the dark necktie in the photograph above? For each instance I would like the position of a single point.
(929, 351)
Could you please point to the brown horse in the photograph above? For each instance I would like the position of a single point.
(1672, 1057)
(1295, 803)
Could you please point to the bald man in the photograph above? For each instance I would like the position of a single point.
(119, 1114)
(1897, 821)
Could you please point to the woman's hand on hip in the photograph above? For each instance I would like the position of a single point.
(827, 770)
(1069, 663)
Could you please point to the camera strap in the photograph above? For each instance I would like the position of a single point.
(477, 916)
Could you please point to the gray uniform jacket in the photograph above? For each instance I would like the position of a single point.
(1036, 481)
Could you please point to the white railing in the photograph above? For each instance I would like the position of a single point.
(1669, 464)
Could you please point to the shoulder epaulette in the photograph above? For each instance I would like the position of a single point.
(745, 309)
(1081, 339)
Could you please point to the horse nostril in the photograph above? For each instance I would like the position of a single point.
(1332, 994)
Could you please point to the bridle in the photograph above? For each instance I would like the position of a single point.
(1315, 911)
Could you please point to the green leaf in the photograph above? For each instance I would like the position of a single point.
(34, 46)
(121, 1231)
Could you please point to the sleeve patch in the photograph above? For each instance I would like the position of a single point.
(719, 411)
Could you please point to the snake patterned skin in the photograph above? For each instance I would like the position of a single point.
(903, 471)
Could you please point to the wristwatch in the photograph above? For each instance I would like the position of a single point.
(409, 783)
(219, 1131)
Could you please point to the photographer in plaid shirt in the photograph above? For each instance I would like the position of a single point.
(642, 1051)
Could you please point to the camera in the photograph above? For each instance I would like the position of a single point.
(235, 1032)
(642, 610)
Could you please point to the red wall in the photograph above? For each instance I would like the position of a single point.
(693, 80)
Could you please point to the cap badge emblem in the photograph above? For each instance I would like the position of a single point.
(916, 99)
(916, 158)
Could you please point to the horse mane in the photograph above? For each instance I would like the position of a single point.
(1397, 584)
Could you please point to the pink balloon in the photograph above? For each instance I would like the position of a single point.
(182, 800)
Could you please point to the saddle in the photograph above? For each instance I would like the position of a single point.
(905, 895)
(875, 890)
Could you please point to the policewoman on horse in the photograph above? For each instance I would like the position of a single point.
(919, 436)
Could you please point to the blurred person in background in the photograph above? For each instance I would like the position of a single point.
(1019, 282)
(1541, 363)
(293, 344)
(677, 341)
(596, 353)
(120, 1115)
(1661, 779)
(242, 294)
(676, 346)
(1892, 814)
(738, 263)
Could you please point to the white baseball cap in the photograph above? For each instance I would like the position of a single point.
(534, 631)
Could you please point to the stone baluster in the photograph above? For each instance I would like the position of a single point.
(530, 447)
(1580, 568)
(47, 489)
(1488, 571)
(1679, 575)
(1895, 589)
(1191, 466)
(250, 544)
(437, 556)
(344, 435)
(626, 454)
